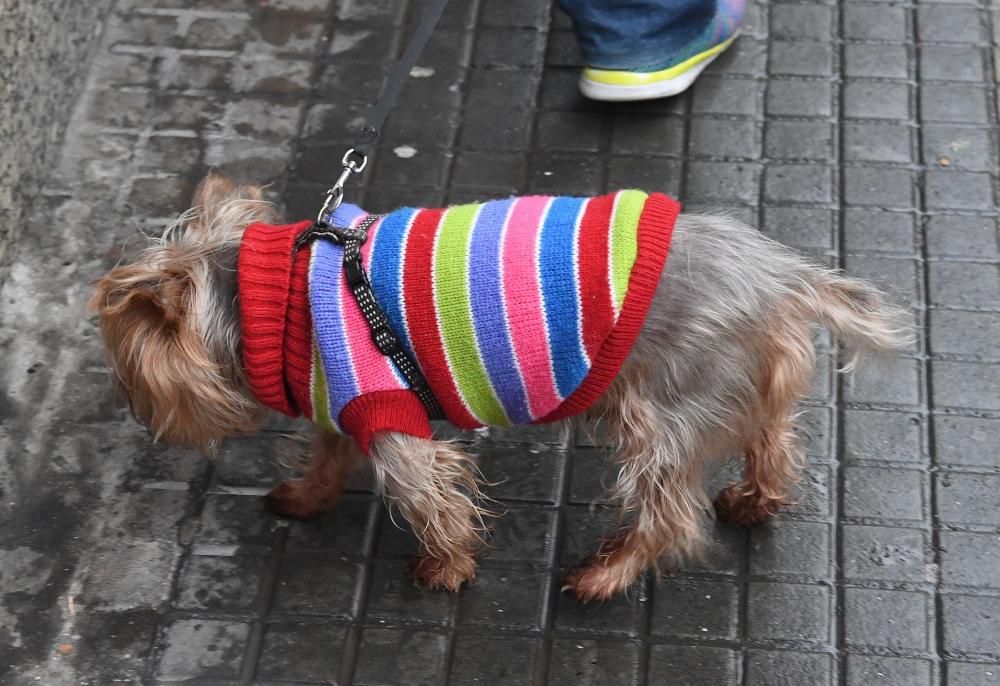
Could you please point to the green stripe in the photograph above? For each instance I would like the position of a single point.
(624, 241)
(321, 400)
(451, 291)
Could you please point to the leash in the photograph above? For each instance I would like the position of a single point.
(356, 159)
(354, 162)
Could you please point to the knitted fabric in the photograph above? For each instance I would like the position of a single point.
(518, 310)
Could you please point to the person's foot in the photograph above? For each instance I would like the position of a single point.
(678, 74)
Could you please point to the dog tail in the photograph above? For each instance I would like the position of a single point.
(858, 314)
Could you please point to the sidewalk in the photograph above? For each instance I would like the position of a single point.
(864, 133)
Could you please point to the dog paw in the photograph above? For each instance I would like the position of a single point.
(597, 581)
(295, 499)
(435, 574)
(735, 507)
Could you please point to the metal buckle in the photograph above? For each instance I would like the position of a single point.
(335, 194)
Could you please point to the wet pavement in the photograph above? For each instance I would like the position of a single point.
(864, 133)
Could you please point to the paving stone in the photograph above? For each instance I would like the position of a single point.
(798, 183)
(969, 559)
(959, 147)
(234, 520)
(951, 24)
(895, 671)
(302, 652)
(885, 554)
(952, 62)
(883, 436)
(882, 187)
(971, 623)
(714, 95)
(220, 583)
(801, 21)
(801, 59)
(877, 60)
(593, 663)
(394, 598)
(897, 620)
(964, 284)
(802, 98)
(799, 140)
(340, 532)
(492, 660)
(961, 235)
(720, 181)
(973, 674)
(967, 440)
(878, 142)
(394, 656)
(969, 498)
(959, 190)
(965, 333)
(657, 174)
(788, 612)
(508, 598)
(802, 228)
(877, 100)
(695, 608)
(618, 616)
(202, 648)
(954, 103)
(791, 547)
(875, 492)
(648, 135)
(893, 380)
(692, 665)
(725, 138)
(966, 384)
(875, 22)
(787, 668)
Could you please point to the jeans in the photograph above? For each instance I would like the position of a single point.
(640, 35)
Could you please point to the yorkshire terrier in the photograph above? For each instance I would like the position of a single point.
(515, 311)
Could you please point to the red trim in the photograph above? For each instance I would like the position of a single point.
(264, 279)
(595, 293)
(421, 314)
(400, 411)
(299, 338)
(656, 226)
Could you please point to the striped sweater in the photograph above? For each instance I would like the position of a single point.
(517, 310)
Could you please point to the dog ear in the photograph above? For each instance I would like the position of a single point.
(221, 203)
(160, 297)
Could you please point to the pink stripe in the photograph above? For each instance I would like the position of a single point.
(373, 370)
(525, 310)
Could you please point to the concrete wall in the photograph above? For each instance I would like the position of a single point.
(44, 49)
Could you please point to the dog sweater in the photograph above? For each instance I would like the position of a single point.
(517, 310)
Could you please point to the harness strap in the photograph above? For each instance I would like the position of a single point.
(361, 288)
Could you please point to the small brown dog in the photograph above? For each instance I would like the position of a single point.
(725, 354)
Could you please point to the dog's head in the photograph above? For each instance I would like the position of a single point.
(170, 321)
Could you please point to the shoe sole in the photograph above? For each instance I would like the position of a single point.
(657, 87)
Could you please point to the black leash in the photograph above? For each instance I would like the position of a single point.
(355, 160)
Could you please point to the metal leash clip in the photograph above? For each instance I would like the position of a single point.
(335, 195)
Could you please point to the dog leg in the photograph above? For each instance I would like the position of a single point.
(334, 459)
(660, 486)
(435, 486)
(773, 456)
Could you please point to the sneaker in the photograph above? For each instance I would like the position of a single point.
(614, 85)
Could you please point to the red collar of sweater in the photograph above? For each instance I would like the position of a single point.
(274, 297)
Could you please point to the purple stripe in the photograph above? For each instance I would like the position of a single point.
(328, 322)
(489, 320)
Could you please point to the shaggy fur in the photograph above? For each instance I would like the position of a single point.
(725, 355)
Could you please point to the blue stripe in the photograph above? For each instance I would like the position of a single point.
(324, 297)
(487, 302)
(561, 293)
(345, 214)
(386, 271)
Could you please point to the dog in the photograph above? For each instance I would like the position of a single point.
(723, 355)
